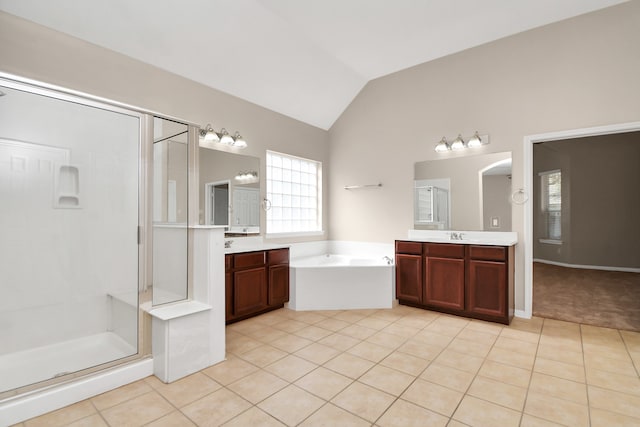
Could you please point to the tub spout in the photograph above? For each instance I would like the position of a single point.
(389, 260)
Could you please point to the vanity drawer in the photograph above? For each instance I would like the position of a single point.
(278, 256)
(412, 248)
(488, 253)
(445, 250)
(249, 259)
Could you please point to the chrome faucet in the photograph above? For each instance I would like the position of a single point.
(456, 236)
(389, 260)
(227, 244)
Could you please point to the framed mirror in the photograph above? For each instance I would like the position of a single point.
(463, 193)
(230, 191)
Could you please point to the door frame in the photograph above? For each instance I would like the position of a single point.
(529, 140)
(209, 207)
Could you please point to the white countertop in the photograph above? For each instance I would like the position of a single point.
(491, 238)
(253, 247)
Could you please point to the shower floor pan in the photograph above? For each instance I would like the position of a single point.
(27, 367)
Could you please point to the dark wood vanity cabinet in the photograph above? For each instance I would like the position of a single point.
(255, 282)
(469, 280)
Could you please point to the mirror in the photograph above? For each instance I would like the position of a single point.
(463, 193)
(230, 191)
(170, 234)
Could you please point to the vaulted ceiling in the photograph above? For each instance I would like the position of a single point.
(306, 59)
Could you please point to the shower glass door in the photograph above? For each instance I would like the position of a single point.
(69, 193)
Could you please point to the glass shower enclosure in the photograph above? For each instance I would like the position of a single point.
(69, 227)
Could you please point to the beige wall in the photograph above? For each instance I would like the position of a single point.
(601, 200)
(579, 73)
(32, 51)
(496, 192)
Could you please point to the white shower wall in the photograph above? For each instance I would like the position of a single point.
(61, 265)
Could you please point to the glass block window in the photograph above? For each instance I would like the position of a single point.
(294, 194)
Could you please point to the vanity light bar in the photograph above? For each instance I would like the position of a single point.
(459, 143)
(222, 137)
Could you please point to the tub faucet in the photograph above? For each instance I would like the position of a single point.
(227, 243)
(389, 260)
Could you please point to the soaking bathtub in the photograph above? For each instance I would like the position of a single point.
(342, 277)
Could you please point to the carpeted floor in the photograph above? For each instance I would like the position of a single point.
(602, 298)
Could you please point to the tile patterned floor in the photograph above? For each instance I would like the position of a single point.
(397, 367)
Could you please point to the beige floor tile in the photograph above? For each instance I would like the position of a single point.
(121, 394)
(603, 363)
(229, 370)
(324, 383)
(246, 327)
(505, 373)
(174, 419)
(313, 333)
(480, 413)
(531, 421)
(332, 324)
(444, 328)
(406, 414)
(533, 325)
(601, 418)
(242, 344)
(414, 321)
(454, 423)
(470, 334)
(560, 354)
(349, 316)
(309, 317)
(559, 369)
(404, 362)
(612, 401)
(317, 353)
(498, 392)
(473, 348)
(561, 343)
(365, 401)
(254, 417)
(257, 386)
(216, 408)
(330, 415)
(373, 323)
(617, 382)
(64, 415)
(558, 387)
(138, 411)
(484, 327)
(386, 379)
(460, 361)
(519, 335)
(557, 410)
(447, 376)
(432, 338)
(267, 334)
(291, 405)
(339, 341)
(513, 358)
(290, 343)
(358, 332)
(369, 351)
(560, 324)
(349, 365)
(263, 355)
(592, 333)
(516, 345)
(94, 420)
(385, 339)
(188, 389)
(420, 349)
(432, 396)
(632, 340)
(290, 325)
(404, 331)
(388, 314)
(291, 367)
(612, 351)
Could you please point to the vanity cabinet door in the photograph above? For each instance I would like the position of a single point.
(444, 283)
(249, 291)
(409, 278)
(487, 295)
(278, 284)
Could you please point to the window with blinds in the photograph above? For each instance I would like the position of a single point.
(294, 194)
(551, 185)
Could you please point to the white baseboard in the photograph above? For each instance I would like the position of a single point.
(522, 314)
(588, 267)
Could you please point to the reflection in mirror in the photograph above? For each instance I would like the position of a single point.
(230, 191)
(170, 233)
(478, 190)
